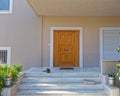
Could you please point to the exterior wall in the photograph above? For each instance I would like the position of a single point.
(91, 35)
(21, 31)
(109, 66)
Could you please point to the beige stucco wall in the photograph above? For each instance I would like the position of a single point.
(109, 66)
(21, 31)
(91, 35)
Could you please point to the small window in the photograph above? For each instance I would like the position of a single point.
(6, 6)
(5, 54)
(110, 40)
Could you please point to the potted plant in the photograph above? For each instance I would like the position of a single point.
(8, 80)
(7, 76)
(111, 78)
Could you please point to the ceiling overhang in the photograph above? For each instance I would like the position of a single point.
(76, 7)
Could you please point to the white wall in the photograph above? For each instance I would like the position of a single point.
(20, 30)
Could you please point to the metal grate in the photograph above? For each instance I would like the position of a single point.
(3, 56)
(5, 53)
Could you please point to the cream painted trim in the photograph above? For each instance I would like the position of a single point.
(102, 29)
(10, 9)
(8, 54)
(41, 39)
(80, 40)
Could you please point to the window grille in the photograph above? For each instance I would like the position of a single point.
(5, 53)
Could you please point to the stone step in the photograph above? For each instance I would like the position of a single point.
(58, 85)
(61, 83)
(59, 79)
(36, 92)
(56, 74)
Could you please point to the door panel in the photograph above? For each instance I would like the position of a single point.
(66, 48)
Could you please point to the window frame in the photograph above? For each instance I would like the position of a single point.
(9, 11)
(102, 29)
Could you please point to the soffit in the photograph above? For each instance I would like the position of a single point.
(76, 7)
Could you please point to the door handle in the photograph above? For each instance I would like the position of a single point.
(67, 49)
(64, 49)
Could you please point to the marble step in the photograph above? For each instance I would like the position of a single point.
(57, 74)
(59, 79)
(34, 85)
(38, 92)
(61, 76)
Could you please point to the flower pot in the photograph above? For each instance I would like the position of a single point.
(111, 80)
(8, 82)
(117, 81)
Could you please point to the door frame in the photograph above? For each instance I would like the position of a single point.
(51, 44)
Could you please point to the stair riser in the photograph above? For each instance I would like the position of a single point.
(43, 74)
(42, 80)
(62, 95)
(62, 74)
(78, 80)
(81, 74)
(60, 87)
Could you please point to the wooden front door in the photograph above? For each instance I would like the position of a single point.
(66, 48)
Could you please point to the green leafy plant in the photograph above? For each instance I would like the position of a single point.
(118, 65)
(7, 71)
(15, 69)
(18, 67)
(1, 78)
(111, 74)
(14, 74)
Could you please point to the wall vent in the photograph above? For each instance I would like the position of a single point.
(5, 54)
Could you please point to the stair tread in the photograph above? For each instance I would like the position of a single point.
(62, 73)
(62, 84)
(61, 77)
(55, 91)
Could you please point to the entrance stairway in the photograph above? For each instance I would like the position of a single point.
(61, 83)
